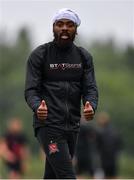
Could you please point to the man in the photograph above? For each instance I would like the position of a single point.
(58, 75)
(85, 150)
(17, 151)
(109, 145)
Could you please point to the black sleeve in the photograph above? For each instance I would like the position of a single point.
(23, 139)
(33, 82)
(89, 87)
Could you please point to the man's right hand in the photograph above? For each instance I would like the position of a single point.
(42, 111)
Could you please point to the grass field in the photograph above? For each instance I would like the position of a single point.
(126, 167)
(36, 167)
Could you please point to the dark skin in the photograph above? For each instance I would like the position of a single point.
(64, 33)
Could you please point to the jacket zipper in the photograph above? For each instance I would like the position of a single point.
(66, 104)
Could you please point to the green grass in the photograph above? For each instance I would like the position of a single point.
(36, 168)
(126, 167)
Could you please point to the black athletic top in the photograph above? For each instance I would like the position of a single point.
(61, 77)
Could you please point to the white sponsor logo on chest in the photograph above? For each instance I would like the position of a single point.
(64, 66)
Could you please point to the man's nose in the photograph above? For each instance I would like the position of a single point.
(64, 27)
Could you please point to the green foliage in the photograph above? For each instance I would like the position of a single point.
(12, 76)
(115, 82)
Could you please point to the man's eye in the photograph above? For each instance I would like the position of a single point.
(59, 24)
(70, 25)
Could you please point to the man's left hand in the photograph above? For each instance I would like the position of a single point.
(88, 111)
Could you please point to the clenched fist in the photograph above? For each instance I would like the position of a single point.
(88, 111)
(42, 111)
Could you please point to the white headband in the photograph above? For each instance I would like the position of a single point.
(67, 14)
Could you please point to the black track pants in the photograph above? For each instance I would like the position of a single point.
(59, 147)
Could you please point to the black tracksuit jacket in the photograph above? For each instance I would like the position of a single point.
(61, 77)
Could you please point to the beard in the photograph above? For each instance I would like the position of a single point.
(64, 39)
